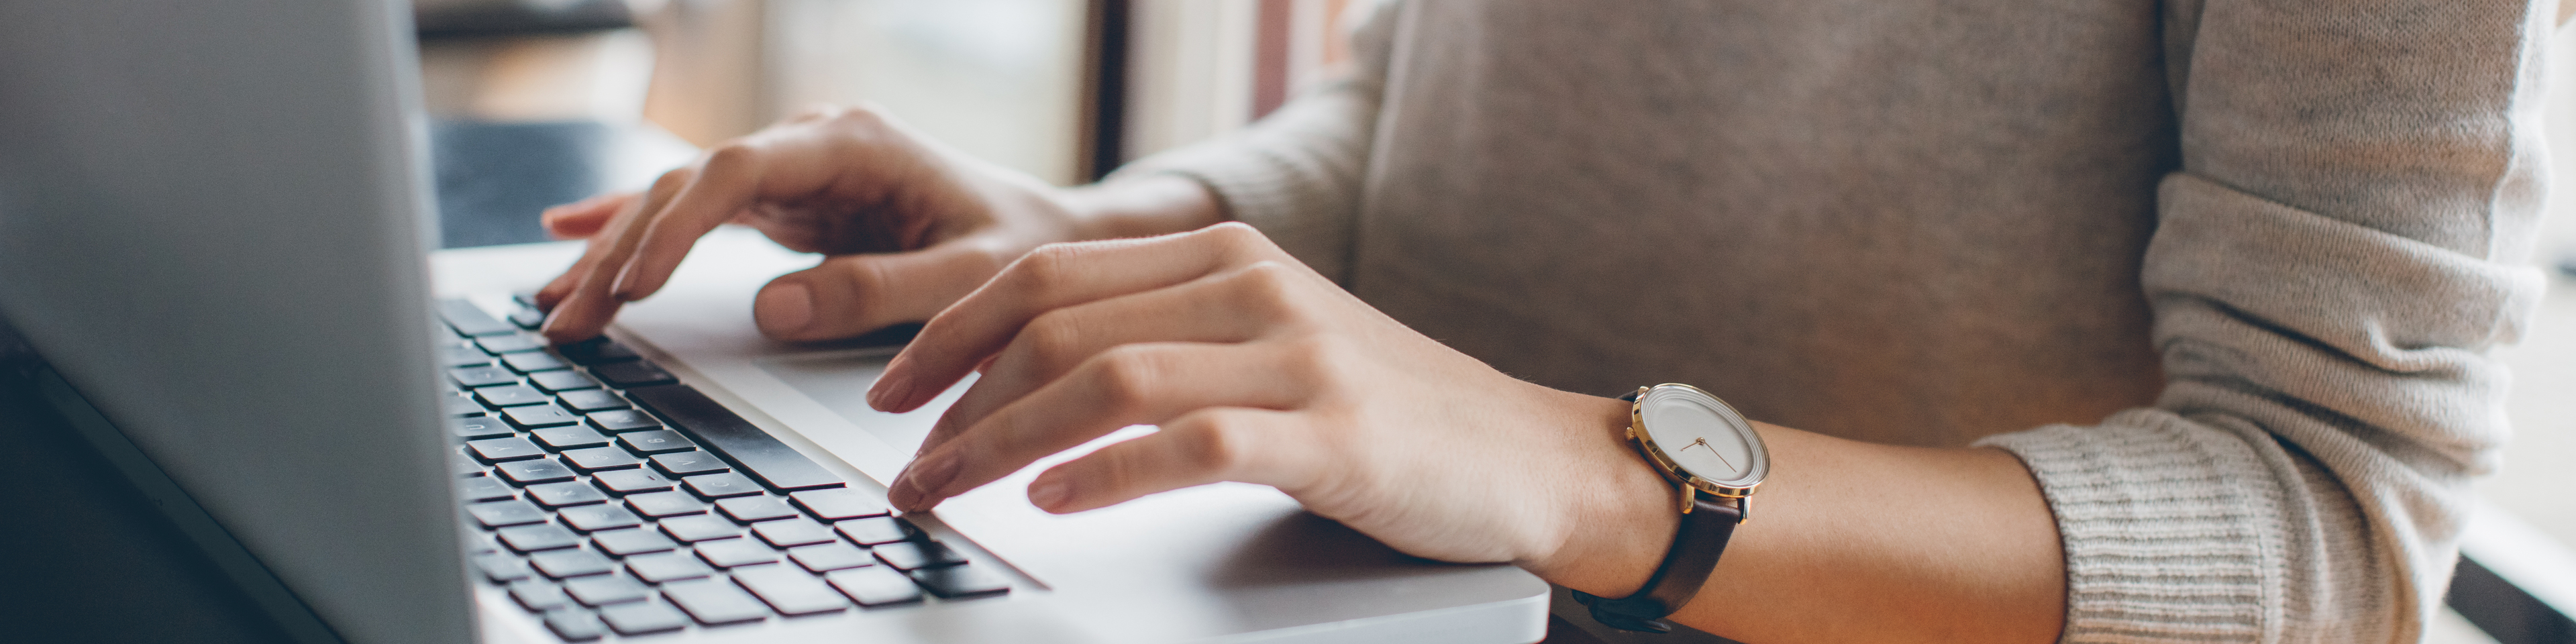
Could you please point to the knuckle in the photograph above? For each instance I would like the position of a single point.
(1129, 375)
(1046, 269)
(729, 155)
(1219, 443)
(1051, 339)
(1267, 289)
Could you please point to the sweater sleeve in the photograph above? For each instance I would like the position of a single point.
(2343, 244)
(1296, 174)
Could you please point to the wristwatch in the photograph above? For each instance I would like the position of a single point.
(1712, 455)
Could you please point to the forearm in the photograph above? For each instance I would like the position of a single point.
(1140, 206)
(1846, 542)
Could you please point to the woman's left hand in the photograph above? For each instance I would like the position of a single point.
(1259, 370)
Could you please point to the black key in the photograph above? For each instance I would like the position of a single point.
(874, 586)
(696, 528)
(596, 351)
(665, 504)
(623, 420)
(533, 538)
(836, 505)
(728, 553)
(569, 437)
(630, 542)
(505, 513)
(624, 482)
(561, 564)
(561, 381)
(873, 531)
(792, 533)
(508, 395)
(502, 567)
(790, 591)
(478, 427)
(918, 554)
(482, 488)
(746, 509)
(461, 406)
(656, 441)
(667, 566)
(470, 320)
(538, 595)
(595, 459)
(481, 376)
(565, 494)
(637, 618)
(589, 400)
(594, 518)
(533, 361)
(525, 299)
(689, 463)
(715, 602)
(512, 343)
(606, 589)
(495, 450)
(457, 355)
(532, 472)
(761, 455)
(961, 581)
(717, 486)
(463, 467)
(575, 625)
(828, 557)
(531, 416)
(529, 319)
(628, 375)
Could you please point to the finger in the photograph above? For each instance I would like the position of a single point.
(779, 164)
(562, 285)
(1052, 277)
(1202, 447)
(581, 219)
(854, 294)
(583, 305)
(1134, 384)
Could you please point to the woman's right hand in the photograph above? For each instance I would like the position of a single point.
(907, 226)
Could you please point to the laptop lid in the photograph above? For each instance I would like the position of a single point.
(212, 224)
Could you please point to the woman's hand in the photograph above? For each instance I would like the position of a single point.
(1257, 370)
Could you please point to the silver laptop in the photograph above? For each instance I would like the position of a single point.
(213, 222)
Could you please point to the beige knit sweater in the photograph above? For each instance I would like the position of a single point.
(2223, 273)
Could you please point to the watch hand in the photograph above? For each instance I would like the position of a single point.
(1712, 449)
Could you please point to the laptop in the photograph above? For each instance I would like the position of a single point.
(214, 225)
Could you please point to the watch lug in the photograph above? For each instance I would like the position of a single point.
(1688, 494)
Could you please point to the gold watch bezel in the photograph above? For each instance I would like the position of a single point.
(1672, 470)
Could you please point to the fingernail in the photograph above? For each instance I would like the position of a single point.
(933, 476)
(1049, 493)
(784, 309)
(893, 387)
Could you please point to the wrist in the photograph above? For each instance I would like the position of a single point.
(1618, 513)
(1140, 206)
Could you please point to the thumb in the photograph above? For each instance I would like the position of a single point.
(848, 295)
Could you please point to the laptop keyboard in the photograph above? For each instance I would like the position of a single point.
(610, 499)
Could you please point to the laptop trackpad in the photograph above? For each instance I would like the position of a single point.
(839, 380)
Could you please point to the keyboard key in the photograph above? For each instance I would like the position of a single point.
(561, 564)
(715, 602)
(458, 355)
(502, 567)
(623, 420)
(463, 467)
(478, 427)
(531, 416)
(512, 343)
(746, 509)
(689, 463)
(637, 618)
(828, 557)
(575, 625)
(665, 504)
(499, 396)
(532, 472)
(533, 361)
(596, 351)
(594, 459)
(482, 488)
(568, 493)
(656, 441)
(494, 450)
(534, 538)
(628, 375)
(918, 554)
(874, 531)
(569, 437)
(717, 486)
(696, 528)
(728, 553)
(561, 381)
(481, 376)
(667, 566)
(589, 400)
(606, 589)
(538, 595)
(631, 542)
(760, 455)
(461, 406)
(874, 586)
(792, 533)
(624, 482)
(790, 591)
(529, 319)
(594, 518)
(470, 320)
(961, 581)
(839, 504)
(506, 513)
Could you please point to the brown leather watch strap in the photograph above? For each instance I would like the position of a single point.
(1696, 546)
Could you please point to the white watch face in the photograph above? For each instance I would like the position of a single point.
(1703, 436)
